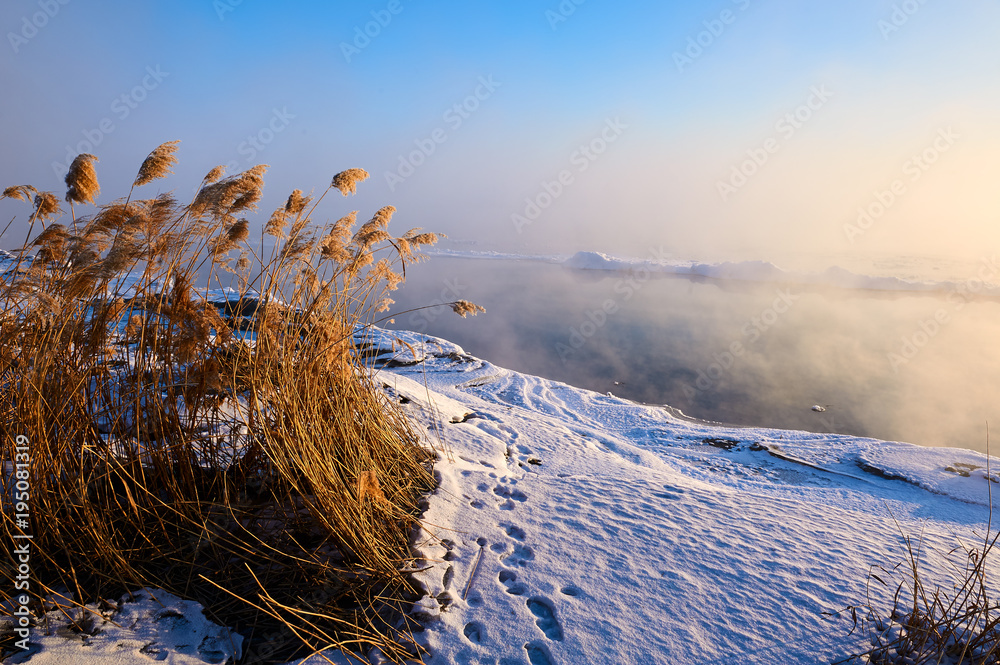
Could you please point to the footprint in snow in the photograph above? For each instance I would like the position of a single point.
(511, 496)
(521, 555)
(508, 493)
(475, 632)
(515, 532)
(538, 653)
(545, 617)
(509, 579)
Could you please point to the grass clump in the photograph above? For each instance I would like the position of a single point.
(227, 445)
(954, 625)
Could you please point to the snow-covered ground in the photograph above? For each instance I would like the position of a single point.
(148, 626)
(572, 527)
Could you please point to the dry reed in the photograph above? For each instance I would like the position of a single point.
(235, 452)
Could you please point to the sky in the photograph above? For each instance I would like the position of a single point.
(736, 129)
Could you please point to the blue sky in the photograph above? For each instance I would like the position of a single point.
(294, 86)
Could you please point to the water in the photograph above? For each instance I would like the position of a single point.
(917, 367)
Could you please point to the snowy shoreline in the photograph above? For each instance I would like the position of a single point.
(584, 525)
(574, 527)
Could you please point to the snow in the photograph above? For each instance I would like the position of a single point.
(574, 527)
(148, 626)
(587, 528)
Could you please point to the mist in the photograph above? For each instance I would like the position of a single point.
(914, 367)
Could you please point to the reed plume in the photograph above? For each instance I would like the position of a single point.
(215, 175)
(275, 226)
(231, 195)
(46, 206)
(464, 307)
(347, 181)
(333, 245)
(297, 202)
(157, 164)
(52, 244)
(81, 181)
(19, 192)
(239, 231)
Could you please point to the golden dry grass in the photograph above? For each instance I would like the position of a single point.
(954, 624)
(238, 455)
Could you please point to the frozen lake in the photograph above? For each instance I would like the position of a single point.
(895, 365)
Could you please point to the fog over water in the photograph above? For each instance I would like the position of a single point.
(916, 367)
